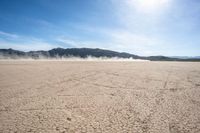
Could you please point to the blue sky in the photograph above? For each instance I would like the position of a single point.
(143, 27)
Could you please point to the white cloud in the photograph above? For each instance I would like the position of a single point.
(9, 35)
(128, 38)
(119, 40)
(68, 41)
(134, 43)
(27, 47)
(78, 43)
(24, 43)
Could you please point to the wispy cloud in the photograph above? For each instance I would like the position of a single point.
(30, 46)
(146, 28)
(143, 27)
(78, 43)
(136, 43)
(9, 35)
(24, 43)
(119, 40)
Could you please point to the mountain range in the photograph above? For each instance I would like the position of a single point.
(84, 53)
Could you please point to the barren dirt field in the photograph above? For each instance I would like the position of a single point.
(108, 97)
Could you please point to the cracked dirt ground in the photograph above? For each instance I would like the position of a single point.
(117, 97)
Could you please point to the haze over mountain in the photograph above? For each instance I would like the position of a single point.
(60, 53)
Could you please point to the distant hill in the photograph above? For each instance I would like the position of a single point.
(82, 53)
(186, 57)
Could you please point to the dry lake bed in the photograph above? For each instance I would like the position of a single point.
(99, 96)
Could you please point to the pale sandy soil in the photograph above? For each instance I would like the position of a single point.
(109, 97)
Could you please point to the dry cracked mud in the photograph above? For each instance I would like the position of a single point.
(89, 96)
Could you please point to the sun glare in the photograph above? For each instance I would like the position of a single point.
(149, 6)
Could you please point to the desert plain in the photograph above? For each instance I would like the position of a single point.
(99, 97)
